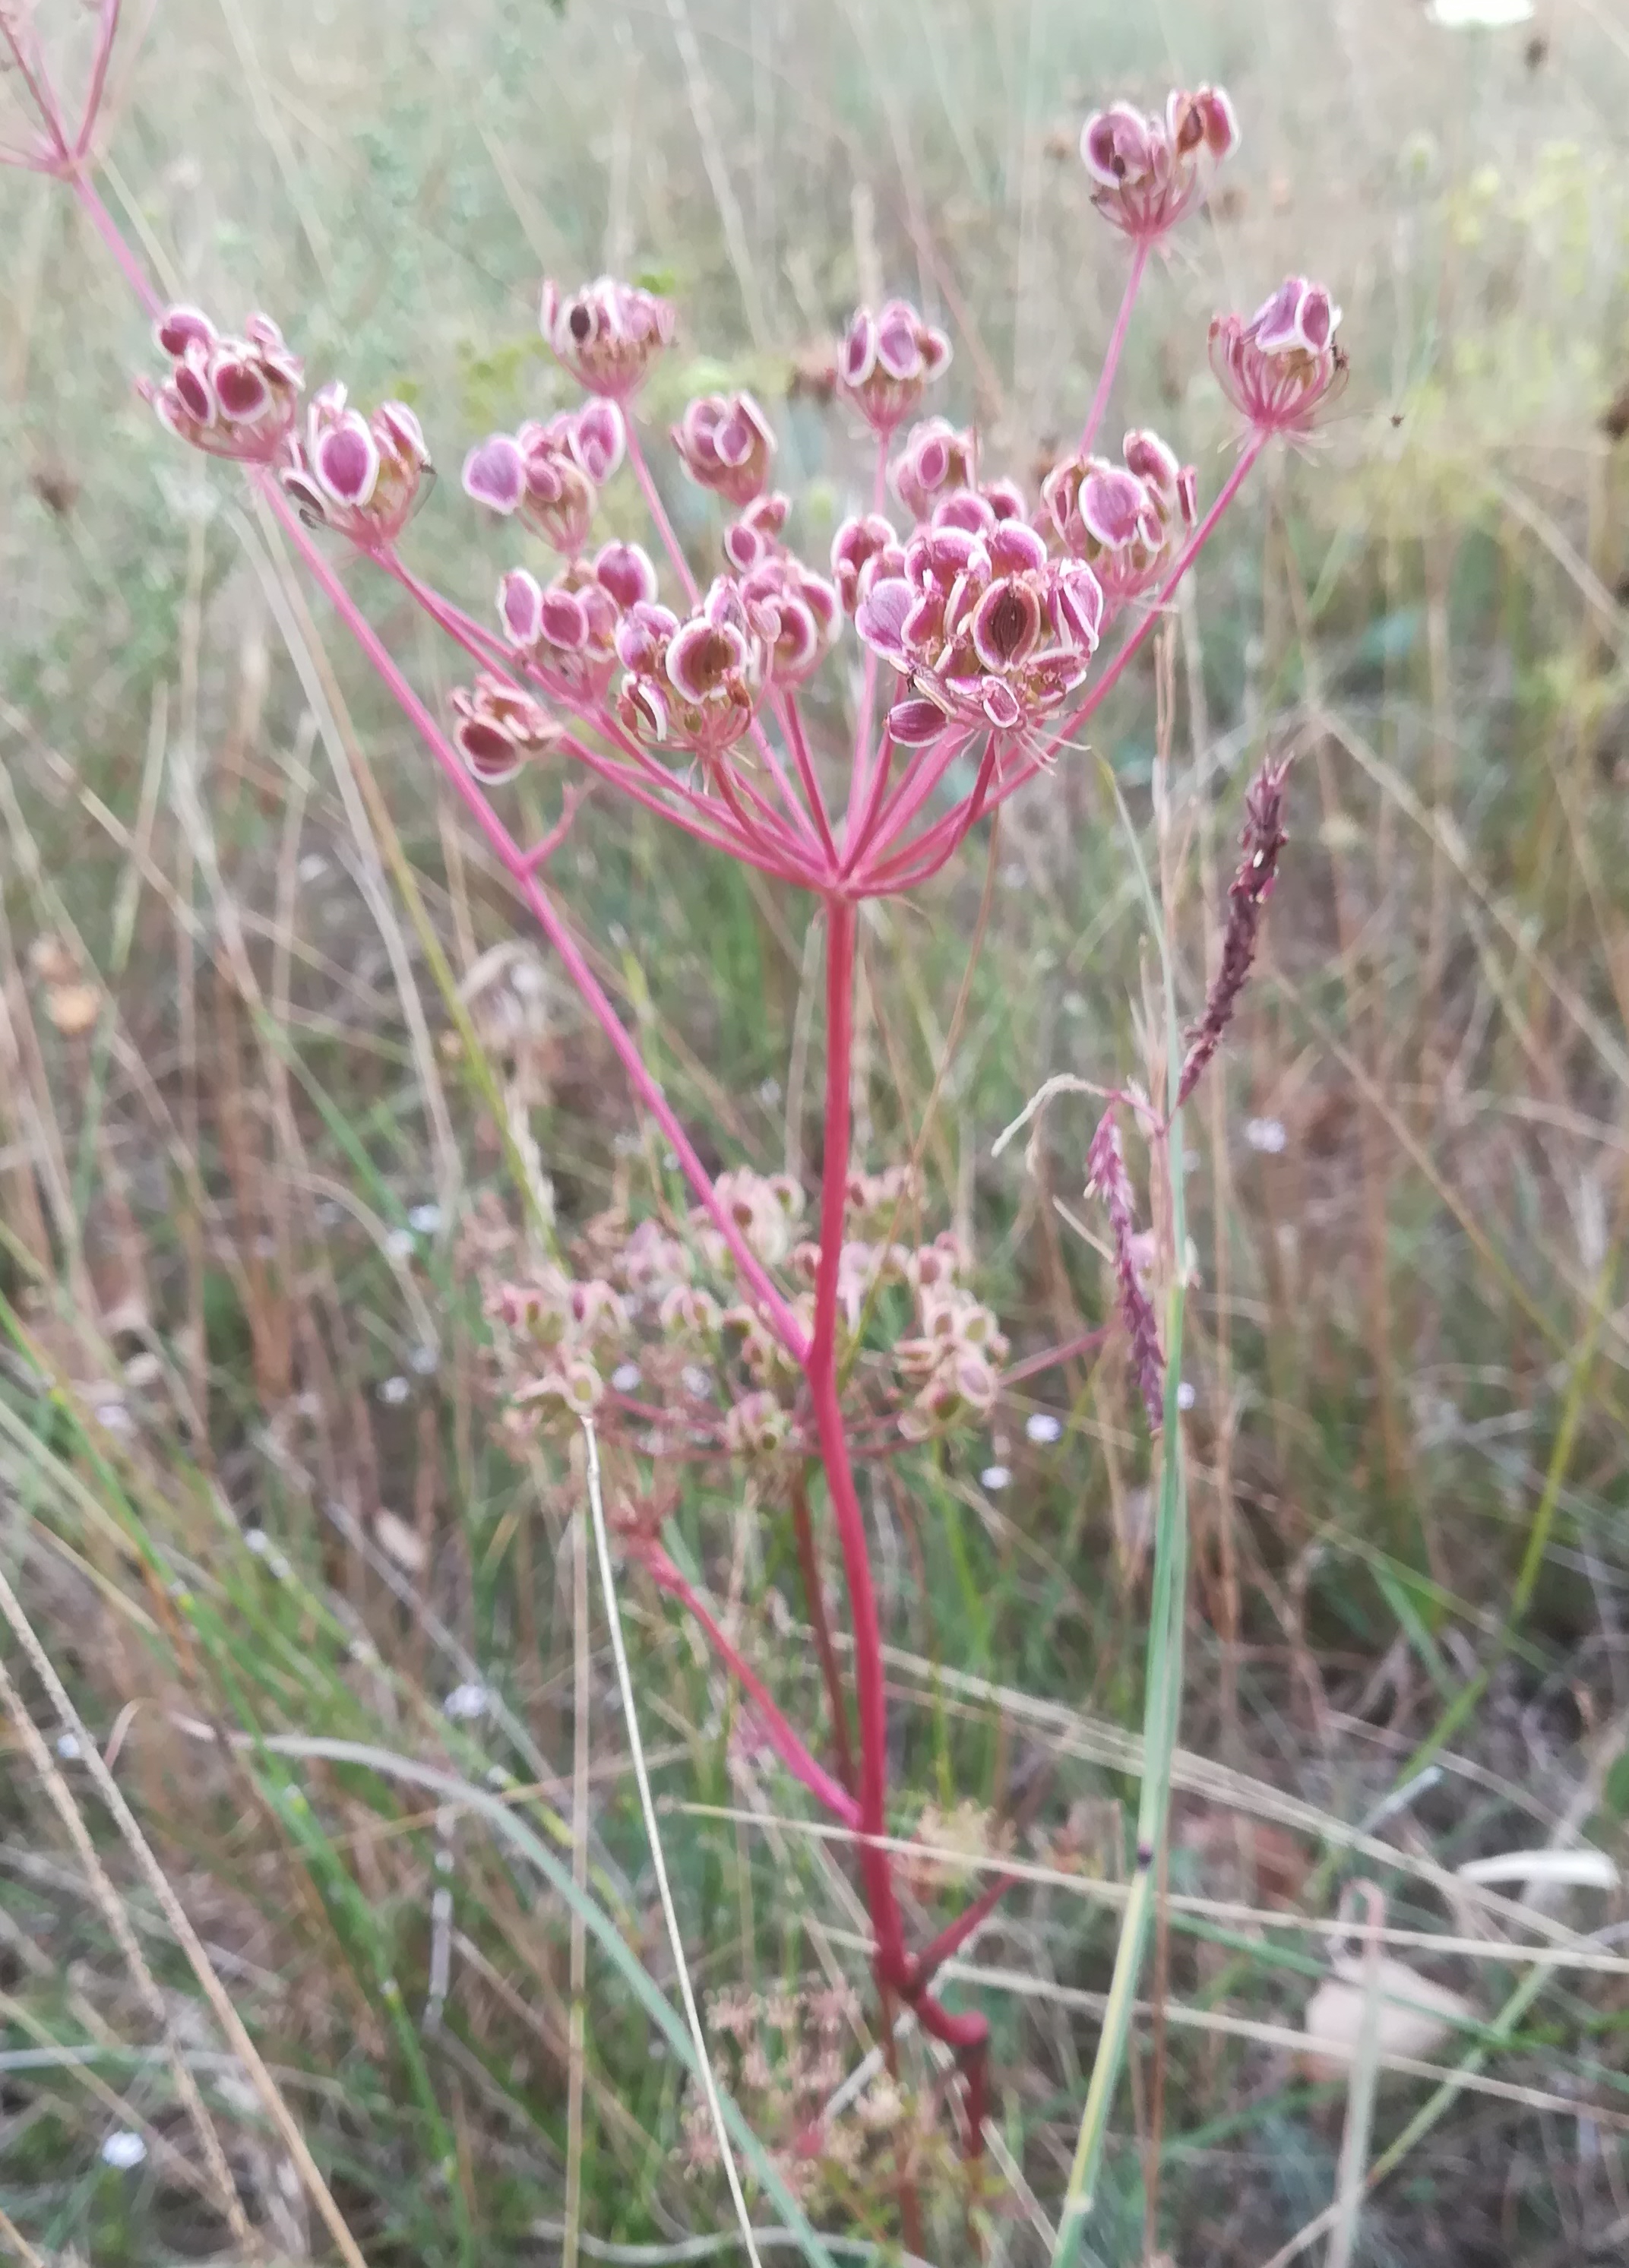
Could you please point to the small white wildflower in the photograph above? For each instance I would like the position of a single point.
(1266, 1134)
(424, 1219)
(995, 1478)
(445, 1862)
(400, 1244)
(625, 1377)
(1186, 1396)
(1043, 1427)
(697, 1381)
(257, 1541)
(424, 1360)
(68, 1747)
(313, 867)
(393, 1390)
(770, 1094)
(1014, 874)
(468, 1700)
(123, 2149)
(671, 1161)
(113, 1418)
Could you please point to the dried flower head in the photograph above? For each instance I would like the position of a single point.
(1262, 837)
(232, 397)
(725, 444)
(1147, 171)
(1127, 521)
(755, 536)
(608, 334)
(1106, 1177)
(359, 474)
(499, 727)
(865, 551)
(888, 360)
(567, 629)
(551, 472)
(691, 687)
(937, 458)
(988, 628)
(1283, 368)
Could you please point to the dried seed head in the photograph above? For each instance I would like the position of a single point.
(1262, 838)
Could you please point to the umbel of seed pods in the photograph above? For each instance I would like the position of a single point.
(980, 616)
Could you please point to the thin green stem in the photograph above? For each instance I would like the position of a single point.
(1162, 1699)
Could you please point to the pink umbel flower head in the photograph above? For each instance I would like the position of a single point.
(727, 443)
(231, 397)
(550, 473)
(608, 334)
(987, 629)
(359, 475)
(499, 727)
(568, 628)
(691, 687)
(1147, 172)
(1283, 368)
(887, 361)
(863, 552)
(937, 458)
(1126, 521)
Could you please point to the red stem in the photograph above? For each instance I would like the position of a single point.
(820, 1366)
(809, 1562)
(105, 32)
(1117, 343)
(107, 228)
(859, 777)
(792, 722)
(658, 510)
(776, 1731)
(776, 1312)
(950, 1941)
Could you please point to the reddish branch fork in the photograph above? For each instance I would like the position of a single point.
(983, 614)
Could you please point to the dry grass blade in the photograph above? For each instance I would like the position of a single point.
(174, 1914)
(221, 2184)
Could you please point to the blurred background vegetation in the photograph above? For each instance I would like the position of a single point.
(249, 1474)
